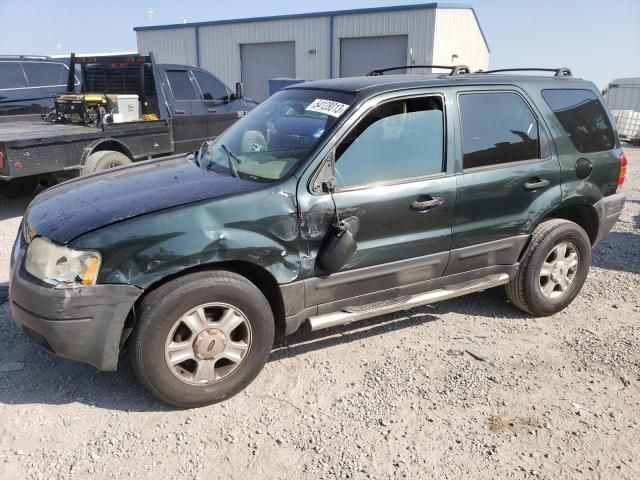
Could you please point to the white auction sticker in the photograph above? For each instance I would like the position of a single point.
(328, 107)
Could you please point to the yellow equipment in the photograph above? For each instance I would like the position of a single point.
(83, 107)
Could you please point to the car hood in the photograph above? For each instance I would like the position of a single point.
(73, 208)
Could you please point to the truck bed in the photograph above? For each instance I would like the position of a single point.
(36, 147)
(26, 130)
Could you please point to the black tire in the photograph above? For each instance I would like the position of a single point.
(104, 160)
(158, 314)
(525, 290)
(18, 188)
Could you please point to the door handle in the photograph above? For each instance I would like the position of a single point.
(211, 110)
(179, 112)
(430, 202)
(536, 184)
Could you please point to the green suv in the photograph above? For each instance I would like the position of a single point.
(331, 202)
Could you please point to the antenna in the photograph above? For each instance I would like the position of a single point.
(150, 12)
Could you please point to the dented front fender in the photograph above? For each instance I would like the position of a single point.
(260, 227)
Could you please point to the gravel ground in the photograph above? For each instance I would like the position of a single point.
(469, 388)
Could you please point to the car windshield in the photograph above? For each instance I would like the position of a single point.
(276, 136)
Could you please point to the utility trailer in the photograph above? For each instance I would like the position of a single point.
(623, 97)
(180, 107)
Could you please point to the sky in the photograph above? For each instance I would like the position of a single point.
(598, 40)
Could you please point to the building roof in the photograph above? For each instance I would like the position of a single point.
(396, 8)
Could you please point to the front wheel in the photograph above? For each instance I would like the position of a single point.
(202, 338)
(553, 268)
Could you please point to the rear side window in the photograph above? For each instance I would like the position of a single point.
(43, 74)
(497, 128)
(181, 85)
(583, 118)
(211, 88)
(11, 75)
(401, 139)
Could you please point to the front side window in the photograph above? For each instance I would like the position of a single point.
(211, 88)
(181, 85)
(11, 75)
(45, 74)
(276, 136)
(398, 140)
(583, 118)
(497, 128)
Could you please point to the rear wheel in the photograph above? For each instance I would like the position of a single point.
(202, 338)
(553, 269)
(104, 160)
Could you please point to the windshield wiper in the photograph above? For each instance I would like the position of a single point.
(231, 157)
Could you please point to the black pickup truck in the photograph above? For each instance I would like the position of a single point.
(179, 107)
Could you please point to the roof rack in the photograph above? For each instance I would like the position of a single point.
(558, 72)
(454, 69)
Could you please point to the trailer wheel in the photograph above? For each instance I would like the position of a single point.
(104, 160)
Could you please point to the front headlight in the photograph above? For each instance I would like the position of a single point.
(60, 265)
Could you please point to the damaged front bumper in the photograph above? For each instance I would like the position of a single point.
(83, 324)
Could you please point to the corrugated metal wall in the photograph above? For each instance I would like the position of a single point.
(418, 25)
(457, 32)
(220, 45)
(433, 36)
(176, 45)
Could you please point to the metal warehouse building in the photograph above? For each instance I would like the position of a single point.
(321, 45)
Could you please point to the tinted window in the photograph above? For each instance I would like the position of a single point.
(497, 128)
(400, 139)
(42, 74)
(211, 88)
(11, 75)
(583, 118)
(181, 85)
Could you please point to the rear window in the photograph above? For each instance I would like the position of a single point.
(45, 74)
(11, 75)
(181, 85)
(583, 118)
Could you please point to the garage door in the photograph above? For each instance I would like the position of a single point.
(359, 55)
(263, 61)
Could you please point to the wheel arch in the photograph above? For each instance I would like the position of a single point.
(583, 214)
(256, 274)
(103, 144)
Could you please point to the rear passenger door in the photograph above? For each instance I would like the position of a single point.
(188, 111)
(508, 177)
(215, 96)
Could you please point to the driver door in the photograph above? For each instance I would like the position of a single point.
(391, 173)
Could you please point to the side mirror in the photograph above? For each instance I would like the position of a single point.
(339, 245)
(239, 93)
